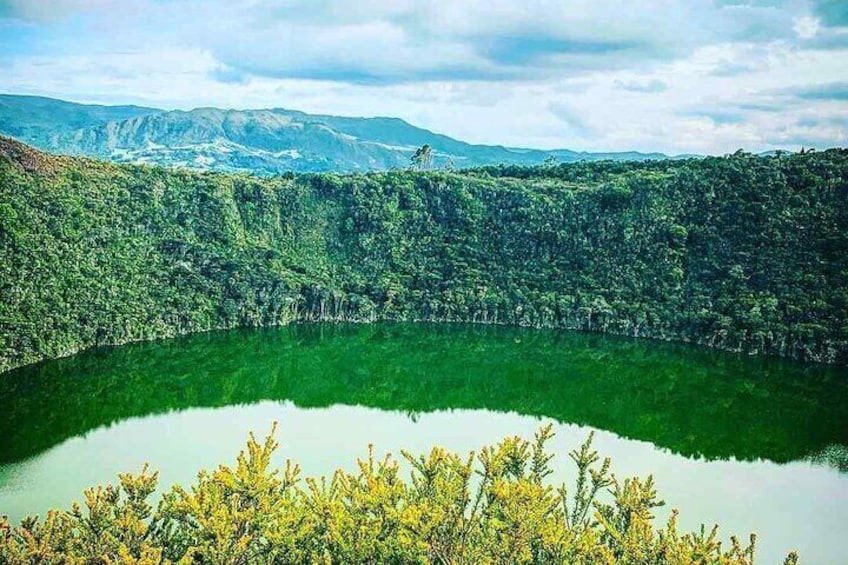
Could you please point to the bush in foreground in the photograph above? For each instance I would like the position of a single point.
(495, 507)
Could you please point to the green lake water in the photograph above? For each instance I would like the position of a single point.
(754, 444)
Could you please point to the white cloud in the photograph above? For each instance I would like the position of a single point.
(806, 26)
(667, 75)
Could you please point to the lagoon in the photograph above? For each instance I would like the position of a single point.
(754, 444)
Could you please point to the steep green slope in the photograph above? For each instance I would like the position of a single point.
(743, 252)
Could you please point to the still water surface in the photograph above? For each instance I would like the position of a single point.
(750, 443)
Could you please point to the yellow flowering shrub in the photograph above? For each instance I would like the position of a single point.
(495, 507)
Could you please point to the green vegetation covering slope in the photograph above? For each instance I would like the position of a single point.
(744, 253)
(497, 507)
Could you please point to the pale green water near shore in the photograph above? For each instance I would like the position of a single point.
(729, 439)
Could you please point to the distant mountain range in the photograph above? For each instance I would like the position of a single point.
(259, 141)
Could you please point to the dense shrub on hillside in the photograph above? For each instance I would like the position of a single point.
(496, 507)
(742, 252)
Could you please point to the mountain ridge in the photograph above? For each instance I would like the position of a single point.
(262, 141)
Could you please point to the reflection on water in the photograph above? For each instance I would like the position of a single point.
(750, 443)
(834, 455)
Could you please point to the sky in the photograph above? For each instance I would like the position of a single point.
(677, 76)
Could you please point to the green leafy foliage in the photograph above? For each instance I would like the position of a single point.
(742, 252)
(495, 507)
